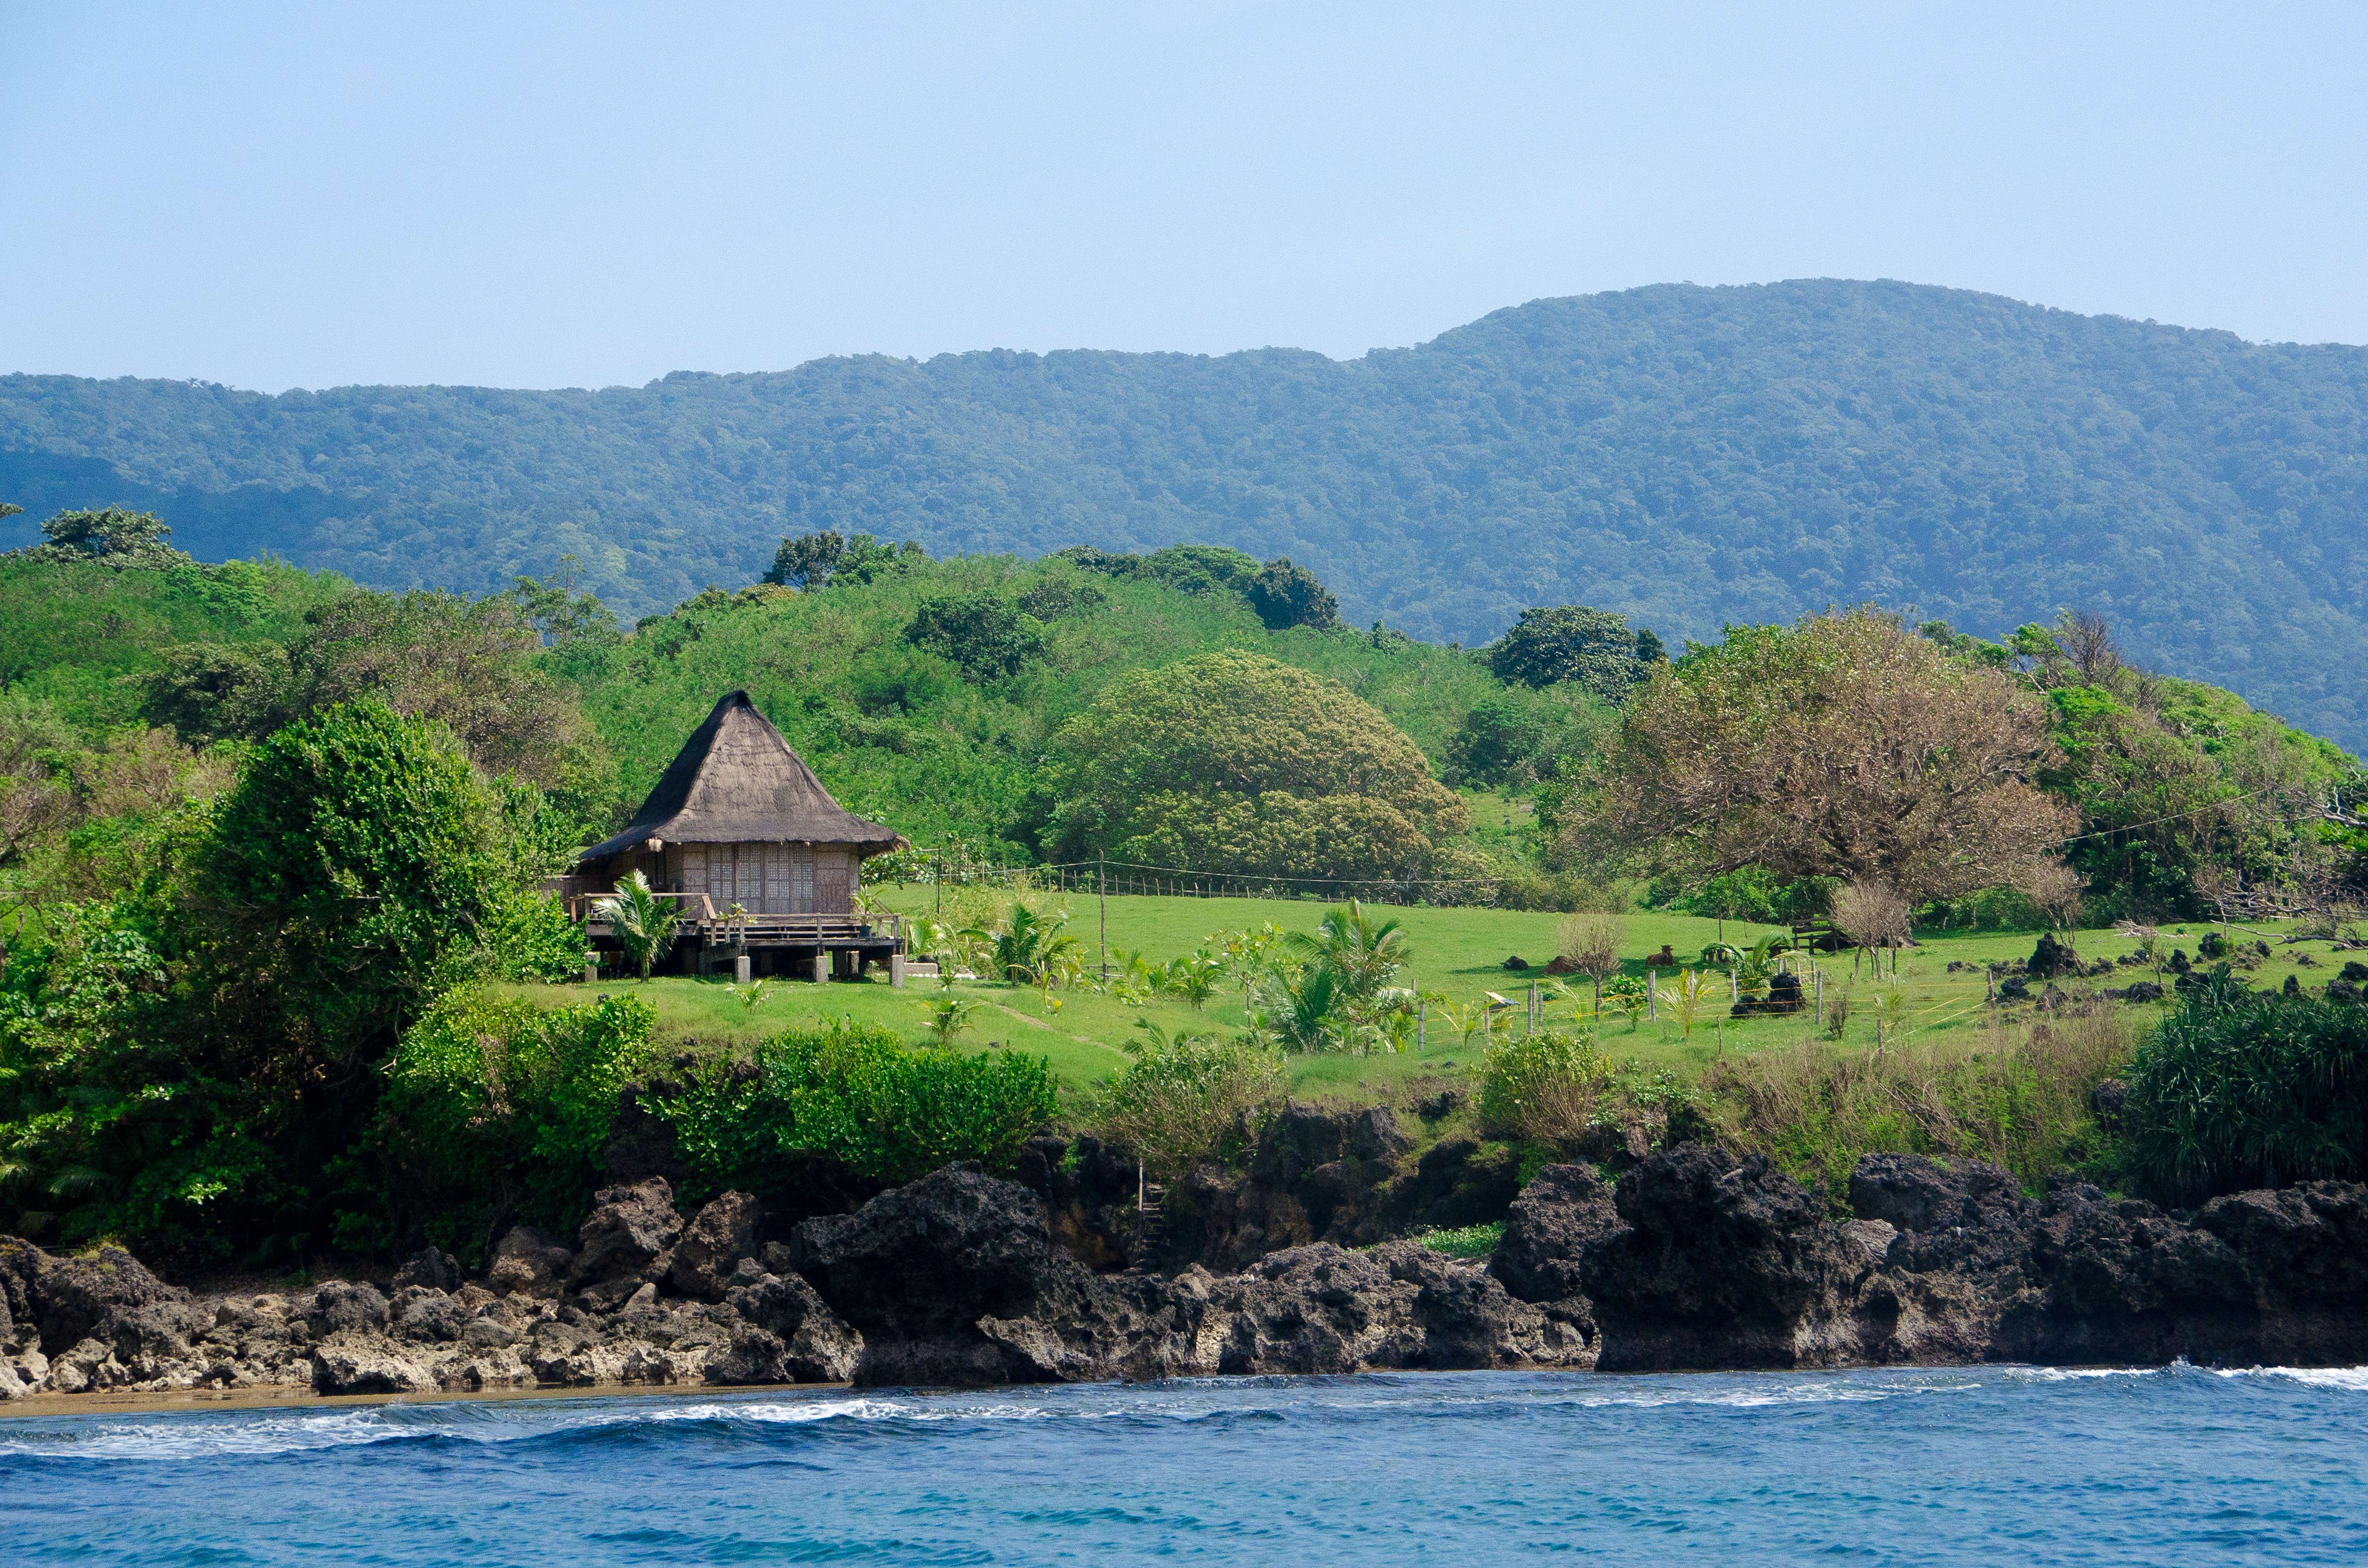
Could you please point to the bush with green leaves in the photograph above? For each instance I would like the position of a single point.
(1186, 1099)
(1232, 761)
(359, 866)
(854, 1093)
(2244, 1089)
(1285, 595)
(1542, 1088)
(986, 635)
(116, 1118)
(1593, 649)
(492, 1107)
(185, 1063)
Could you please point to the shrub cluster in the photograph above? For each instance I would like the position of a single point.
(495, 1107)
(2244, 1089)
(2026, 1106)
(854, 1093)
(1544, 1088)
(499, 1110)
(1189, 1099)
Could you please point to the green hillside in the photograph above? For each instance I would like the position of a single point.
(898, 731)
(1687, 456)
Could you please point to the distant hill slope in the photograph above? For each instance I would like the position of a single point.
(1686, 455)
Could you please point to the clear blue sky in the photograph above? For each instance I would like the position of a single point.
(525, 194)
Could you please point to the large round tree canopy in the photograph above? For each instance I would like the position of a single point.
(1232, 762)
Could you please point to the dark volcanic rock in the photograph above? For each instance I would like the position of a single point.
(1320, 1173)
(527, 1262)
(1726, 1263)
(915, 1269)
(418, 1313)
(2051, 959)
(1561, 1213)
(1458, 1182)
(713, 1244)
(1226, 1223)
(1322, 1310)
(434, 1269)
(624, 1235)
(789, 1334)
(1090, 1192)
(1912, 1193)
(21, 1264)
(75, 1299)
(343, 1305)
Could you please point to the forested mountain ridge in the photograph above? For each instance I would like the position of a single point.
(1688, 456)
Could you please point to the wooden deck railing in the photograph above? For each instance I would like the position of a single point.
(701, 920)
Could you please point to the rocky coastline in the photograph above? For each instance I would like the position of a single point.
(1693, 1259)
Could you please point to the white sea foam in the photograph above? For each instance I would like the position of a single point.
(2352, 1379)
(201, 1434)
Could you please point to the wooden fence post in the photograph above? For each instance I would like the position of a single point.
(1652, 996)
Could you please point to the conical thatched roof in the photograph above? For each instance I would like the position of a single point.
(736, 781)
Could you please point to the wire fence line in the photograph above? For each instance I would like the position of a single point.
(952, 869)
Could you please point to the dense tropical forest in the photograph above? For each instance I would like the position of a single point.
(272, 845)
(1686, 456)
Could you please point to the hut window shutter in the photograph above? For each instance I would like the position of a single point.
(694, 868)
(802, 885)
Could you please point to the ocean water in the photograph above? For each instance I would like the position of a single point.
(1989, 1466)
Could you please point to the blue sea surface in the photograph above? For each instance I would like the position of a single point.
(1984, 1466)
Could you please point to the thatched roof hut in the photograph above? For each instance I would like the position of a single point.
(739, 817)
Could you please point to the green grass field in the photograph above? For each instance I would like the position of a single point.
(1457, 953)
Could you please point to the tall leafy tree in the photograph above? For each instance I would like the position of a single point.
(1285, 595)
(1231, 761)
(1845, 745)
(116, 535)
(1592, 648)
(187, 1061)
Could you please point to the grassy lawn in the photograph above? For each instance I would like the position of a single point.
(1457, 953)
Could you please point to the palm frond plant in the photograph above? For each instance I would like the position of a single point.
(1063, 966)
(1688, 997)
(1393, 1020)
(1309, 1018)
(1023, 952)
(925, 936)
(751, 997)
(1157, 1040)
(1891, 1013)
(1364, 953)
(643, 923)
(1194, 978)
(1474, 1021)
(945, 1019)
